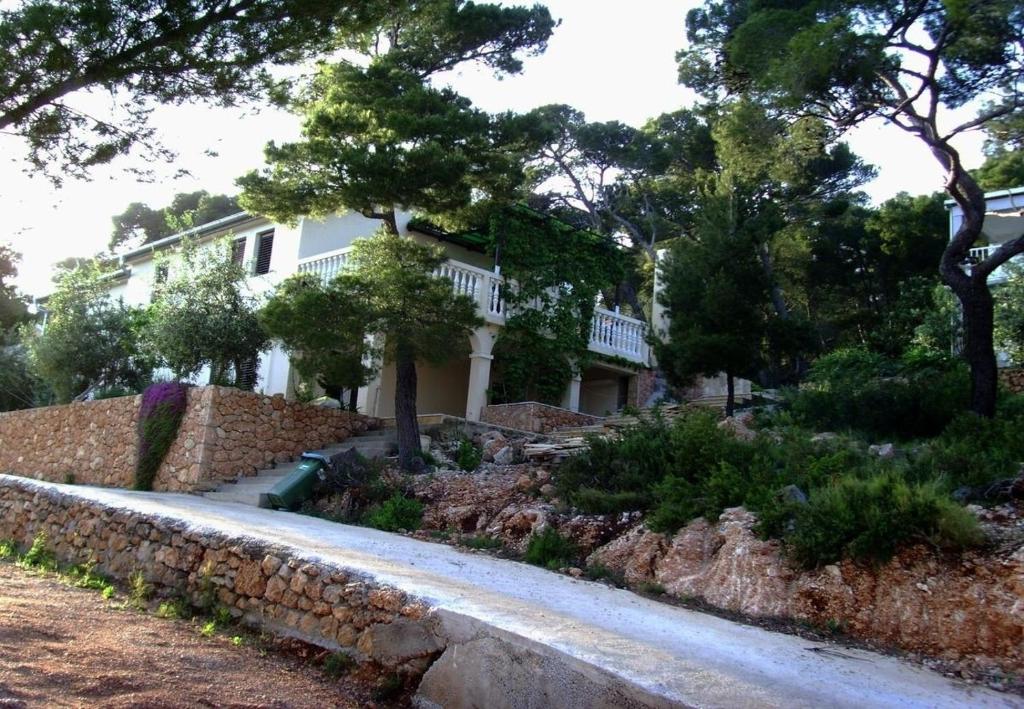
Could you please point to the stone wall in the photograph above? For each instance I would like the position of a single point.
(272, 587)
(534, 417)
(225, 433)
(1012, 379)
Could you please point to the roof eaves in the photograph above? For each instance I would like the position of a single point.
(200, 230)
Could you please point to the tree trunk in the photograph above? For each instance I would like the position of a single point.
(971, 288)
(405, 409)
(353, 395)
(979, 348)
(730, 394)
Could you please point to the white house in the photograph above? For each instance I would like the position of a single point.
(1004, 220)
(460, 387)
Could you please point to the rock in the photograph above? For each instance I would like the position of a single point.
(326, 402)
(824, 437)
(739, 426)
(575, 572)
(249, 579)
(492, 672)
(399, 641)
(791, 493)
(505, 456)
(548, 490)
(885, 451)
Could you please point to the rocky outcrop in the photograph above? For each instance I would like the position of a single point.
(967, 607)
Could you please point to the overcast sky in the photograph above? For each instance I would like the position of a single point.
(612, 60)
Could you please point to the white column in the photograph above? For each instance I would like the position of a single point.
(571, 398)
(479, 381)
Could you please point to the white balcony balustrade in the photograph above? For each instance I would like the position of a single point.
(611, 333)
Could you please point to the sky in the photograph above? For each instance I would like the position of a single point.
(610, 59)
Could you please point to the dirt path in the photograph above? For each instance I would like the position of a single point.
(67, 647)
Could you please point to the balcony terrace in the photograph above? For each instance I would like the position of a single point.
(611, 333)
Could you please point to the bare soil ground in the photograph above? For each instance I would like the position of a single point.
(62, 646)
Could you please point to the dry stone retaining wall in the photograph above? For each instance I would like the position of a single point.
(1012, 379)
(225, 433)
(535, 417)
(272, 587)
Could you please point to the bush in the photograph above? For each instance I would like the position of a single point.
(869, 519)
(882, 398)
(396, 513)
(468, 456)
(550, 550)
(160, 415)
(973, 451)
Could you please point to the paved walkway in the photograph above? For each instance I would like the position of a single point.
(686, 657)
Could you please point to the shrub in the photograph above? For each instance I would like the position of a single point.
(973, 451)
(550, 549)
(869, 519)
(160, 415)
(395, 513)
(915, 396)
(38, 556)
(468, 456)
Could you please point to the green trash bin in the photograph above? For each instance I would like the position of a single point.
(297, 486)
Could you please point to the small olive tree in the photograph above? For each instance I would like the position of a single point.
(205, 316)
(322, 326)
(90, 341)
(421, 318)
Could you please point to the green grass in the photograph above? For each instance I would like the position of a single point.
(550, 550)
(481, 541)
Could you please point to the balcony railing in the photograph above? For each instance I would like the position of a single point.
(611, 333)
(980, 253)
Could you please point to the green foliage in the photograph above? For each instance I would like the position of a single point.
(8, 549)
(338, 664)
(481, 541)
(396, 513)
(422, 319)
(550, 549)
(559, 272)
(88, 341)
(174, 609)
(20, 388)
(870, 519)
(39, 556)
(468, 456)
(974, 451)
(139, 590)
(13, 310)
(687, 469)
(142, 51)
(205, 316)
(378, 133)
(883, 398)
(1009, 313)
(322, 326)
(186, 210)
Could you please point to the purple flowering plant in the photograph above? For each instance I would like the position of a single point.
(160, 415)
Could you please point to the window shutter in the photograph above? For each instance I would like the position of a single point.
(265, 245)
(237, 251)
(247, 375)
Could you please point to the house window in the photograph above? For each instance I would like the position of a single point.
(264, 246)
(247, 374)
(237, 251)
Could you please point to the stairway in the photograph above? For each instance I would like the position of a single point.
(247, 490)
